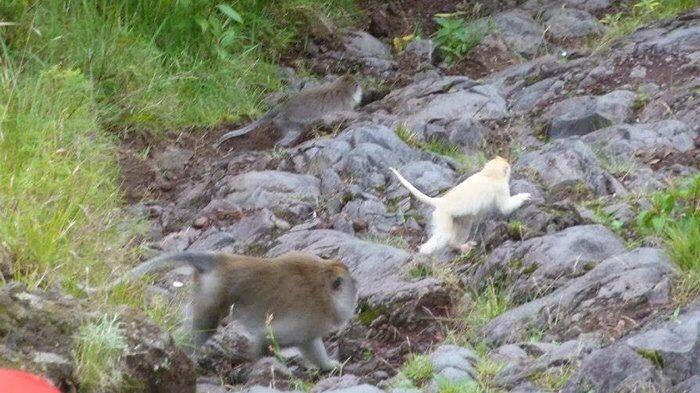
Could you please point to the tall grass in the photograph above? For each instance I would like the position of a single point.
(674, 217)
(73, 73)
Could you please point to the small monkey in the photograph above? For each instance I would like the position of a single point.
(304, 108)
(305, 297)
(471, 200)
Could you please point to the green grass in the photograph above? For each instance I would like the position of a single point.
(455, 37)
(642, 12)
(478, 309)
(418, 370)
(96, 352)
(674, 217)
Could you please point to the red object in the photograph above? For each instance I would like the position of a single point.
(15, 381)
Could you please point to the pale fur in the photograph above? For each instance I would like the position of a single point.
(295, 292)
(304, 108)
(481, 193)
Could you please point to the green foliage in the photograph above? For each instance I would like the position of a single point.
(642, 12)
(478, 309)
(675, 217)
(96, 351)
(553, 380)
(455, 38)
(418, 369)
(444, 385)
(58, 178)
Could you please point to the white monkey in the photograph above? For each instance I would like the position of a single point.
(471, 200)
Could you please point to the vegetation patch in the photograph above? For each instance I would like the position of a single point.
(455, 37)
(642, 12)
(418, 369)
(97, 349)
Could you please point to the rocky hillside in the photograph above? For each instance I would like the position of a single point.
(563, 295)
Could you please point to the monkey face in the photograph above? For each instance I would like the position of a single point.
(343, 288)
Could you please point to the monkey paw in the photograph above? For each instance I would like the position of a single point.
(524, 197)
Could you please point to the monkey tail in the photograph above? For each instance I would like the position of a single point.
(266, 118)
(203, 261)
(416, 192)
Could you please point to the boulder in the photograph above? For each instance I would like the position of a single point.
(521, 33)
(626, 140)
(633, 284)
(443, 99)
(39, 329)
(564, 24)
(540, 265)
(285, 193)
(566, 168)
(582, 115)
(675, 346)
(616, 369)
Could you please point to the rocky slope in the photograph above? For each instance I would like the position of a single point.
(589, 311)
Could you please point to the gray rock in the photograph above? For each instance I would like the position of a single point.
(537, 93)
(362, 44)
(264, 389)
(589, 5)
(635, 283)
(380, 270)
(676, 344)
(616, 369)
(364, 388)
(520, 32)
(627, 139)
(207, 387)
(361, 155)
(452, 356)
(428, 177)
(336, 383)
(419, 54)
(269, 371)
(374, 213)
(582, 115)
(568, 23)
(690, 385)
(679, 40)
(567, 167)
(541, 265)
(364, 49)
(444, 100)
(284, 192)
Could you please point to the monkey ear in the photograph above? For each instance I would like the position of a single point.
(337, 283)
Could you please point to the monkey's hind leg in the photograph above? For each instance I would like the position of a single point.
(315, 352)
(443, 233)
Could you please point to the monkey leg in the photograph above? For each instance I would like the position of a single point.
(315, 352)
(205, 318)
(443, 232)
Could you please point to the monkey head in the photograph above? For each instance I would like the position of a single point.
(497, 168)
(343, 289)
(348, 84)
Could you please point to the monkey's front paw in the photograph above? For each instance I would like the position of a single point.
(525, 196)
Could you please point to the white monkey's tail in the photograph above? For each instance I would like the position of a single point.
(419, 195)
